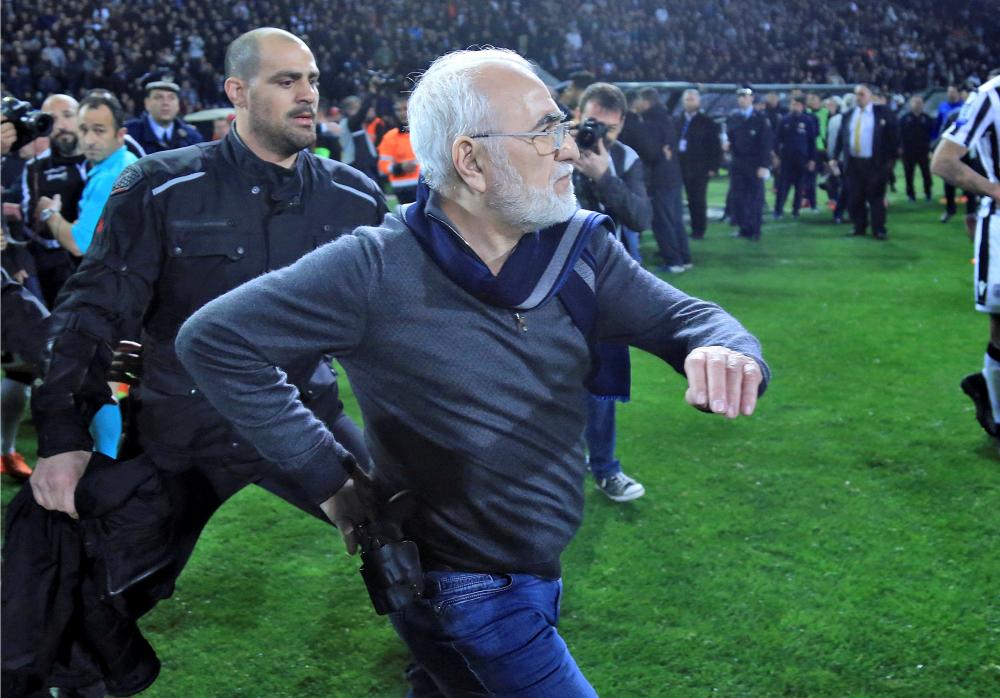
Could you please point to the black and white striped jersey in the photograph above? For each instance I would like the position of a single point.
(978, 127)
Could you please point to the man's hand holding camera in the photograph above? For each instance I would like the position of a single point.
(592, 163)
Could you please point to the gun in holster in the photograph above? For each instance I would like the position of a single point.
(390, 565)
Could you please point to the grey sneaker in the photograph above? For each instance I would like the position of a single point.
(620, 487)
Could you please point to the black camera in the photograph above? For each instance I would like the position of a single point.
(590, 133)
(30, 123)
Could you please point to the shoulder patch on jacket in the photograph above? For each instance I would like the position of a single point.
(126, 180)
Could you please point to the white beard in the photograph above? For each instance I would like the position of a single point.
(525, 207)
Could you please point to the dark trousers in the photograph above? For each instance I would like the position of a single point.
(809, 187)
(912, 162)
(951, 207)
(198, 490)
(668, 225)
(791, 174)
(696, 187)
(747, 191)
(866, 181)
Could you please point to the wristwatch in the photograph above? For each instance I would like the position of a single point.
(47, 213)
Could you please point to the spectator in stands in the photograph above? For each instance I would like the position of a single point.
(396, 159)
(915, 132)
(700, 152)
(159, 127)
(609, 178)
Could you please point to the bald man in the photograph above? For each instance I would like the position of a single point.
(180, 228)
(60, 170)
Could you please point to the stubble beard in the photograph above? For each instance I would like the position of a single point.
(279, 136)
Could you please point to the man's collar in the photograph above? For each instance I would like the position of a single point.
(110, 160)
(248, 161)
(163, 132)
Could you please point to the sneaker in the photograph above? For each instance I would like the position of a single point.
(13, 464)
(688, 265)
(671, 269)
(974, 385)
(620, 487)
(945, 217)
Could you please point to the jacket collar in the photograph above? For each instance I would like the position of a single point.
(280, 183)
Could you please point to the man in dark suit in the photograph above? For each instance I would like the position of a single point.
(869, 138)
(700, 154)
(750, 141)
(915, 129)
(665, 184)
(159, 127)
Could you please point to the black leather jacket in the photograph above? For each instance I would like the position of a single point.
(181, 228)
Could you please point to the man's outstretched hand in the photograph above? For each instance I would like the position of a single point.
(722, 381)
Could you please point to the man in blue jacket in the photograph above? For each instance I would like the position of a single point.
(796, 148)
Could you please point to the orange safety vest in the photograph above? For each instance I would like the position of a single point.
(395, 148)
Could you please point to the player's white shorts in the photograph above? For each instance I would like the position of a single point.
(986, 278)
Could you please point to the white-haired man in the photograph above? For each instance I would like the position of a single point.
(471, 323)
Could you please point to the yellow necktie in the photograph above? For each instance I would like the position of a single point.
(857, 134)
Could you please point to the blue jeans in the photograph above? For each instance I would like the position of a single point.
(488, 635)
(600, 435)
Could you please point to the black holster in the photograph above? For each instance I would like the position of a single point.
(390, 565)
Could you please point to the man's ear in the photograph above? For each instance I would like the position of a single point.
(467, 159)
(237, 92)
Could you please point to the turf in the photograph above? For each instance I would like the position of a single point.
(841, 542)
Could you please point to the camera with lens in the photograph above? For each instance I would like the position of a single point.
(30, 123)
(590, 133)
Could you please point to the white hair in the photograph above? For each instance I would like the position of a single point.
(447, 102)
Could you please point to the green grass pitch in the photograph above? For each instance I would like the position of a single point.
(841, 542)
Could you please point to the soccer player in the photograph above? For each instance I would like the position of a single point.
(978, 126)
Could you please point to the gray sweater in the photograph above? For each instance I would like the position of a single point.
(482, 420)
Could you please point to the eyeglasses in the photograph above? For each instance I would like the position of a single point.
(552, 140)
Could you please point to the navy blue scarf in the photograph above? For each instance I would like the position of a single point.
(547, 263)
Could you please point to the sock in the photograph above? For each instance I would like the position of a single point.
(13, 396)
(991, 371)
(106, 428)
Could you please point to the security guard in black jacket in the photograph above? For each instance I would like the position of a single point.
(750, 144)
(181, 228)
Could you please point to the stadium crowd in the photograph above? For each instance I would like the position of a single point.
(74, 45)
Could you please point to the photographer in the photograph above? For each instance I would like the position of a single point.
(62, 172)
(608, 177)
